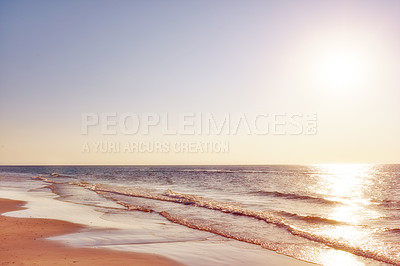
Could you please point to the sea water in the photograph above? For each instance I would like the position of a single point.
(325, 214)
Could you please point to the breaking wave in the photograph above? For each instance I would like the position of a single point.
(270, 217)
(266, 216)
(293, 196)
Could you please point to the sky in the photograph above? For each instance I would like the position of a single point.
(339, 60)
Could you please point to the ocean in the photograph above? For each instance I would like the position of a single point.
(324, 214)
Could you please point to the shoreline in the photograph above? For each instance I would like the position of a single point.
(24, 241)
(142, 233)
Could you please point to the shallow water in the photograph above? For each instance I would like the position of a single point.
(326, 214)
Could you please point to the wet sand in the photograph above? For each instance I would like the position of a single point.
(22, 242)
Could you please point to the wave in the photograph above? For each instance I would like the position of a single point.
(168, 196)
(334, 243)
(312, 219)
(270, 217)
(62, 175)
(133, 207)
(47, 180)
(294, 196)
(390, 204)
(393, 230)
(267, 217)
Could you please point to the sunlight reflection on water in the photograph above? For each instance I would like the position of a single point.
(350, 185)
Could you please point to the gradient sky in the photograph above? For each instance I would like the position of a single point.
(61, 58)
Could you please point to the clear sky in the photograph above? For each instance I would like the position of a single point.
(338, 59)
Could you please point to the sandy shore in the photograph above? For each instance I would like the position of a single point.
(23, 243)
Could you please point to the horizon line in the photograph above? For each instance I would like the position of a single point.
(297, 164)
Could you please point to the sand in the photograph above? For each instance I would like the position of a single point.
(22, 242)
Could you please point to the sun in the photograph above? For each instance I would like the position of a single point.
(341, 68)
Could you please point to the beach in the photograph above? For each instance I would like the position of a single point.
(200, 133)
(210, 215)
(24, 242)
(39, 227)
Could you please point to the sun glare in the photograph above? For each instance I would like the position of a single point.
(341, 69)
